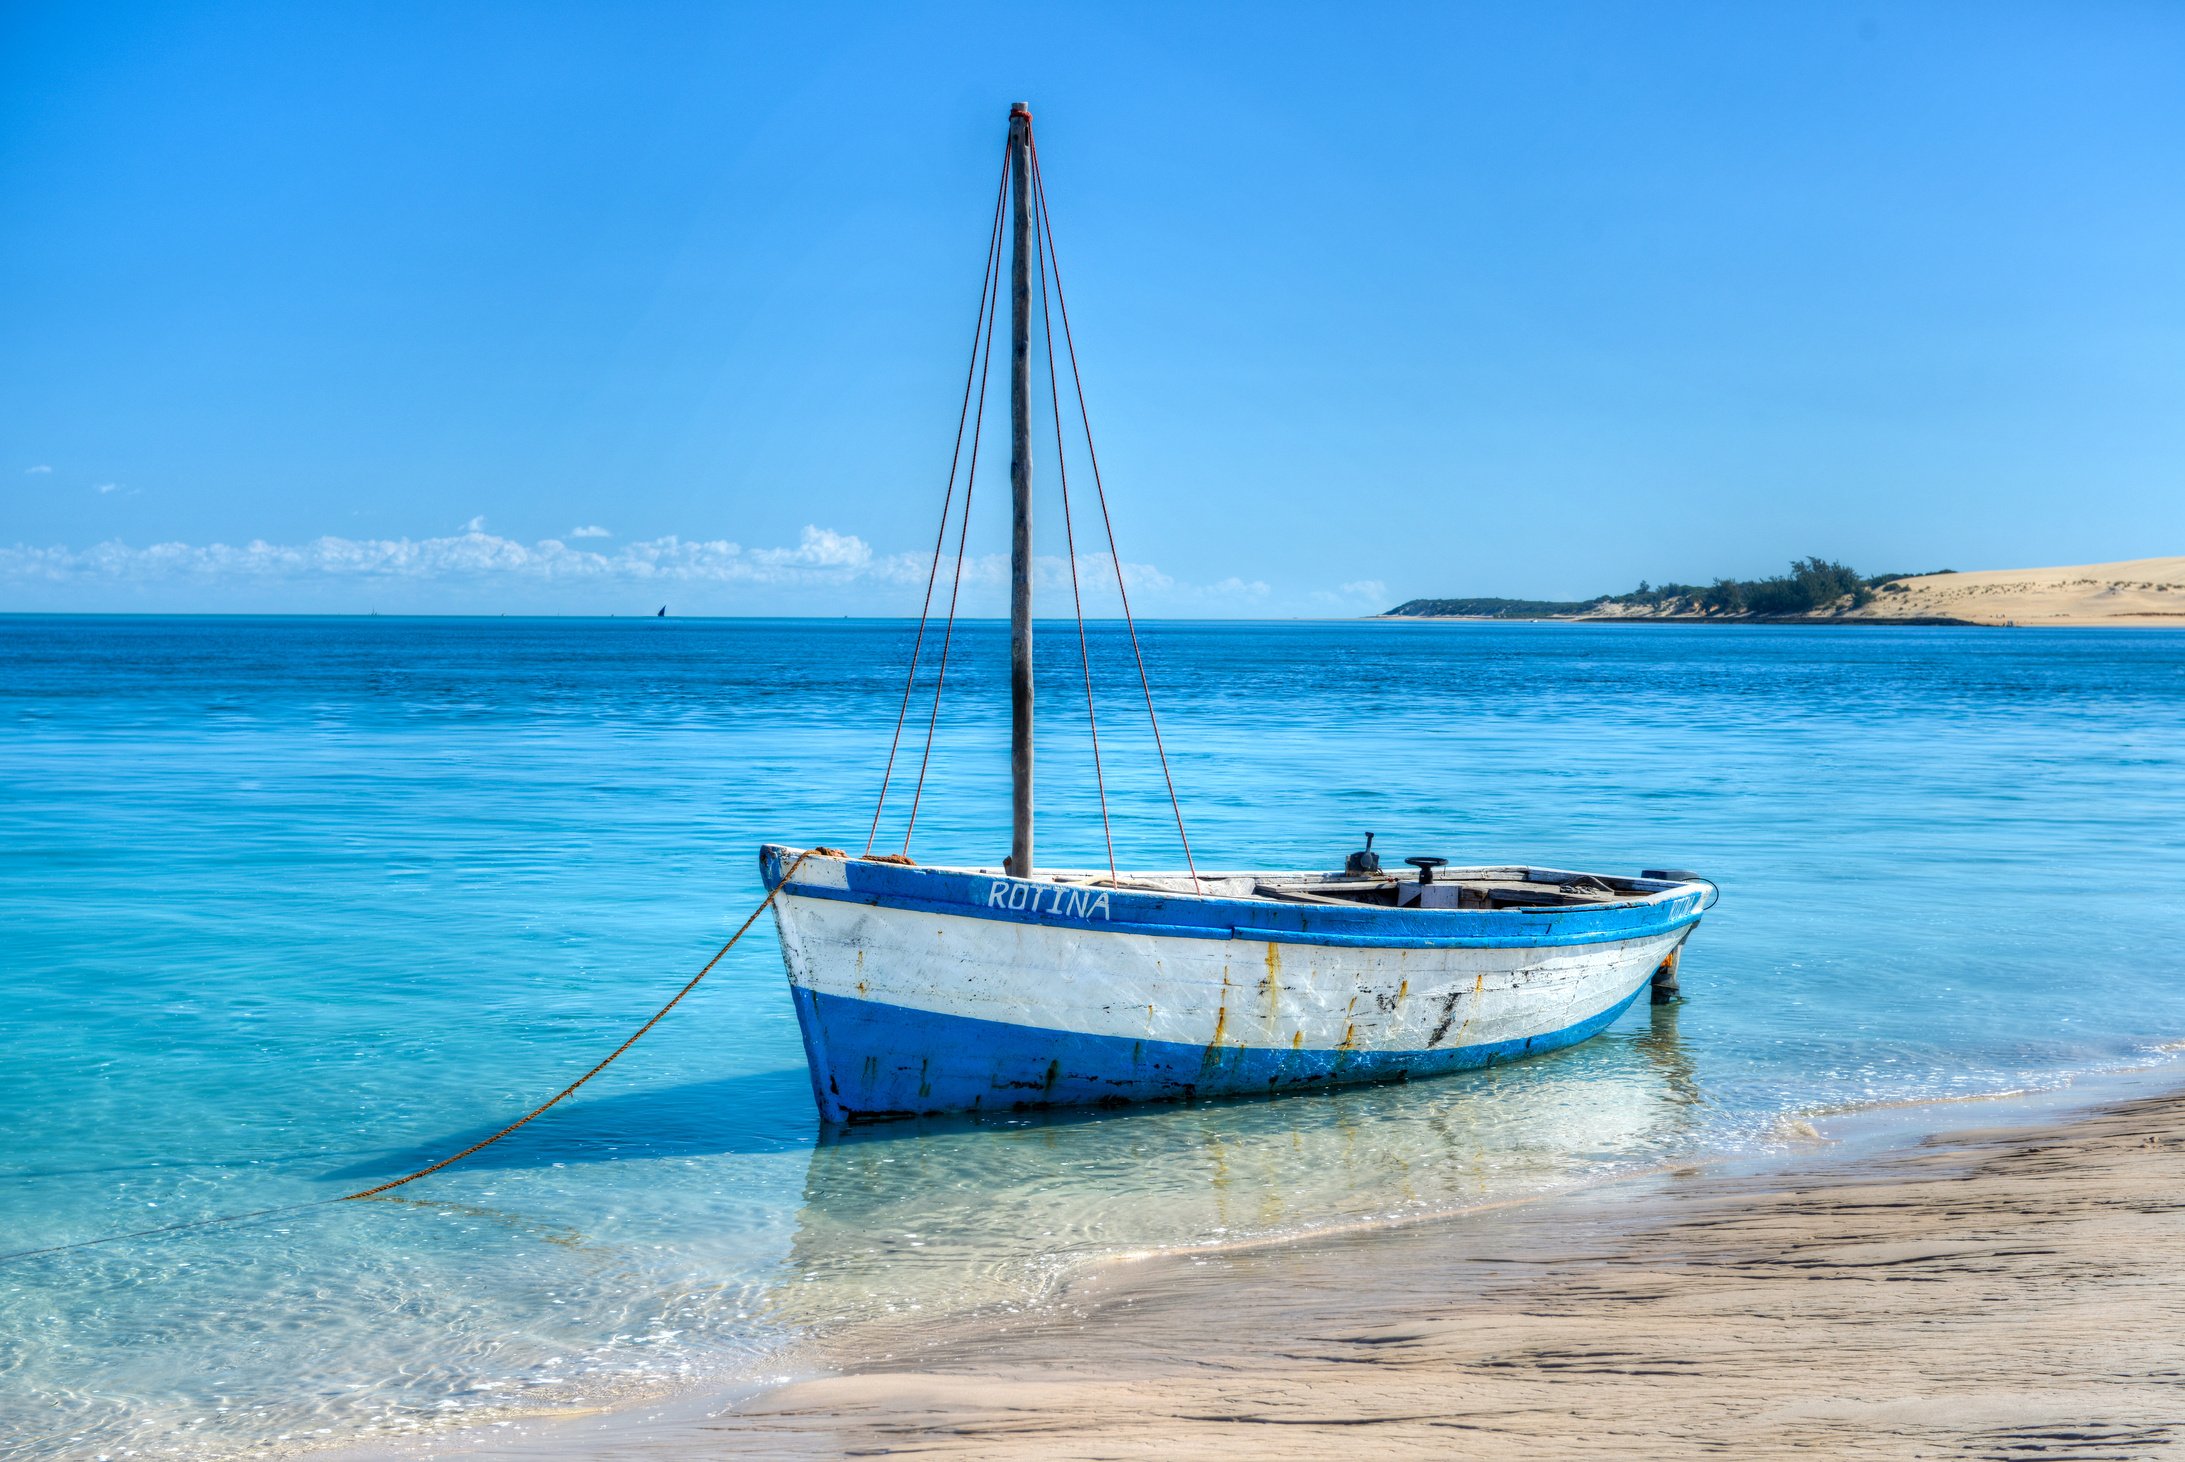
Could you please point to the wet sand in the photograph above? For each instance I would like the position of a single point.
(2008, 1292)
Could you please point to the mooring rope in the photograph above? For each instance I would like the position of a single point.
(258, 1213)
(167, 1228)
(749, 919)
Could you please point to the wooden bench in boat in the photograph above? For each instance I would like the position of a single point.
(1497, 888)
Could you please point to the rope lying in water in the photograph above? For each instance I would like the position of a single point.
(175, 1228)
(166, 1228)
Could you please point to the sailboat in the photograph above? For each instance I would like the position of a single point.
(925, 989)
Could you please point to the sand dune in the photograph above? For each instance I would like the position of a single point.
(2148, 591)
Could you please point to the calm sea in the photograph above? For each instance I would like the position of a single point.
(289, 906)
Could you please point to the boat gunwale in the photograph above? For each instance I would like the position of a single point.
(1128, 909)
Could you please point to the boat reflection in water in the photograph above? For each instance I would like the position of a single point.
(916, 1219)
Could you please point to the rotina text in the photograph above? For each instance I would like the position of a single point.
(1072, 903)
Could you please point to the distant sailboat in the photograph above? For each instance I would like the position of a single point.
(942, 989)
(663, 612)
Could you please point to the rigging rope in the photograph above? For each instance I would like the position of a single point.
(971, 480)
(983, 355)
(256, 1213)
(1062, 302)
(1069, 542)
(979, 321)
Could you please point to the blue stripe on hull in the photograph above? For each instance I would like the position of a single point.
(873, 1060)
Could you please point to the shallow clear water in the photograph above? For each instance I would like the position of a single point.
(290, 906)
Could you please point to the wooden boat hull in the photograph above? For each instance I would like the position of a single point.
(947, 990)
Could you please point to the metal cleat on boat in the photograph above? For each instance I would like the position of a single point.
(1364, 861)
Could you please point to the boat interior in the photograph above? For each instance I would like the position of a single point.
(1436, 886)
(1464, 888)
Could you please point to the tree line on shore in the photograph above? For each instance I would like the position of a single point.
(1812, 584)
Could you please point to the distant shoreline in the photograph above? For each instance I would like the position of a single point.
(1808, 621)
(2144, 593)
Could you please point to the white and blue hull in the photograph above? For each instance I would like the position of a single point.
(950, 990)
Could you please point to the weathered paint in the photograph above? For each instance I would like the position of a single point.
(931, 990)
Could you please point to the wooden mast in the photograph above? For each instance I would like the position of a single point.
(1020, 493)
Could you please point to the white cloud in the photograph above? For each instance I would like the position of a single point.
(818, 548)
(107, 487)
(474, 567)
(822, 555)
(590, 530)
(35, 471)
(1348, 599)
(1236, 588)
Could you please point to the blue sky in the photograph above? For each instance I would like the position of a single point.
(591, 307)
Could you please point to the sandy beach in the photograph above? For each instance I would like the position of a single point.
(2145, 591)
(2006, 1291)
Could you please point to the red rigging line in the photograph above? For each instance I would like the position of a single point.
(963, 529)
(1062, 303)
(1069, 541)
(980, 322)
(982, 361)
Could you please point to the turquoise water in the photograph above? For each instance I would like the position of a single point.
(291, 906)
